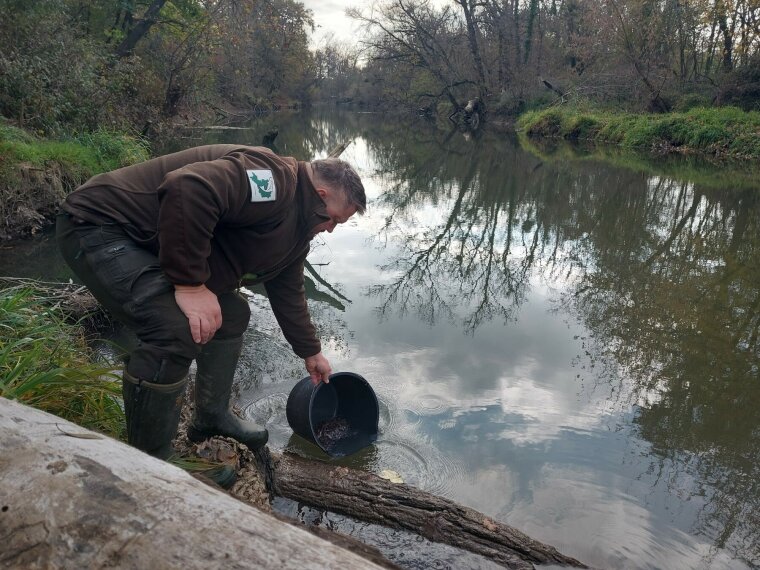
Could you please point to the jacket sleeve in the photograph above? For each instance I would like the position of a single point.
(195, 198)
(287, 296)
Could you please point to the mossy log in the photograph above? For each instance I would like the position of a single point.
(370, 498)
(71, 498)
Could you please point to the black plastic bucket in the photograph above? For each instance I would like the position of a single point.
(348, 401)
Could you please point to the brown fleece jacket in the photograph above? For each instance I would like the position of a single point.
(219, 215)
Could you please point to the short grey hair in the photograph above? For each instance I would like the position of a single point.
(337, 173)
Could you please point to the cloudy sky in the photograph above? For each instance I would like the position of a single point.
(330, 17)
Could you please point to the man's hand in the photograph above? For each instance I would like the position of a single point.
(201, 307)
(319, 368)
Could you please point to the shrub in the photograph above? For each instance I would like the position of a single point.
(583, 127)
(691, 101)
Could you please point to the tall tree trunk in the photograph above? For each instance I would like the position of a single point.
(657, 102)
(501, 79)
(681, 43)
(516, 26)
(472, 38)
(728, 41)
(139, 30)
(532, 13)
(710, 49)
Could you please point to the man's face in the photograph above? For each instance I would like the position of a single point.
(338, 211)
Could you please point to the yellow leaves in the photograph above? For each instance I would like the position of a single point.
(391, 476)
(490, 525)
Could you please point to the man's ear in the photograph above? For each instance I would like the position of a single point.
(322, 191)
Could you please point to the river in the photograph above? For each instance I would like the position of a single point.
(563, 339)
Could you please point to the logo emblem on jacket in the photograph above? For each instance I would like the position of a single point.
(262, 186)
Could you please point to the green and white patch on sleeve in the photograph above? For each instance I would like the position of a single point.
(262, 184)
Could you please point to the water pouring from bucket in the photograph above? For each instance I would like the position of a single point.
(340, 417)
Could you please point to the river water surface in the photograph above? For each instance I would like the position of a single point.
(565, 341)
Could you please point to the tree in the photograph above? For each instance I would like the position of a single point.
(264, 51)
(135, 28)
(420, 38)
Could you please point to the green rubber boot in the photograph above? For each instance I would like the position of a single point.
(213, 387)
(152, 411)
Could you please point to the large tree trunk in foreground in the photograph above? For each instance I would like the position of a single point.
(370, 498)
(73, 499)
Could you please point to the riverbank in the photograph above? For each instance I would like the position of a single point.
(725, 132)
(36, 174)
(725, 175)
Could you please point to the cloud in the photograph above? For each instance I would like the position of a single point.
(330, 18)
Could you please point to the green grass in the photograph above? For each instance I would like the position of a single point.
(722, 131)
(708, 173)
(45, 362)
(78, 157)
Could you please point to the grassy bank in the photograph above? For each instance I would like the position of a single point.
(726, 174)
(37, 174)
(722, 132)
(45, 362)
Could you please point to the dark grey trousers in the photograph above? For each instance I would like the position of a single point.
(128, 281)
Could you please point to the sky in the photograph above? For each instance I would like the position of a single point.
(330, 17)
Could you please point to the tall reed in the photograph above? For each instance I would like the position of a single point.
(45, 362)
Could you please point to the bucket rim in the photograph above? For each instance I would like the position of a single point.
(321, 385)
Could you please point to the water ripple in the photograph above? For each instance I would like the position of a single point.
(419, 465)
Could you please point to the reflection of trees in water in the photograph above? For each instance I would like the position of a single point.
(683, 319)
(267, 355)
(472, 263)
(662, 273)
(302, 135)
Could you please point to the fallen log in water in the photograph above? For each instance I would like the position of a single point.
(370, 498)
(71, 498)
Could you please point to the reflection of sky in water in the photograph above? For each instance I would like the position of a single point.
(513, 420)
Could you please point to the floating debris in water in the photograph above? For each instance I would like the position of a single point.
(391, 476)
(331, 432)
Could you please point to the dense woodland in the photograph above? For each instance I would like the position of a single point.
(76, 65)
(81, 65)
(638, 54)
